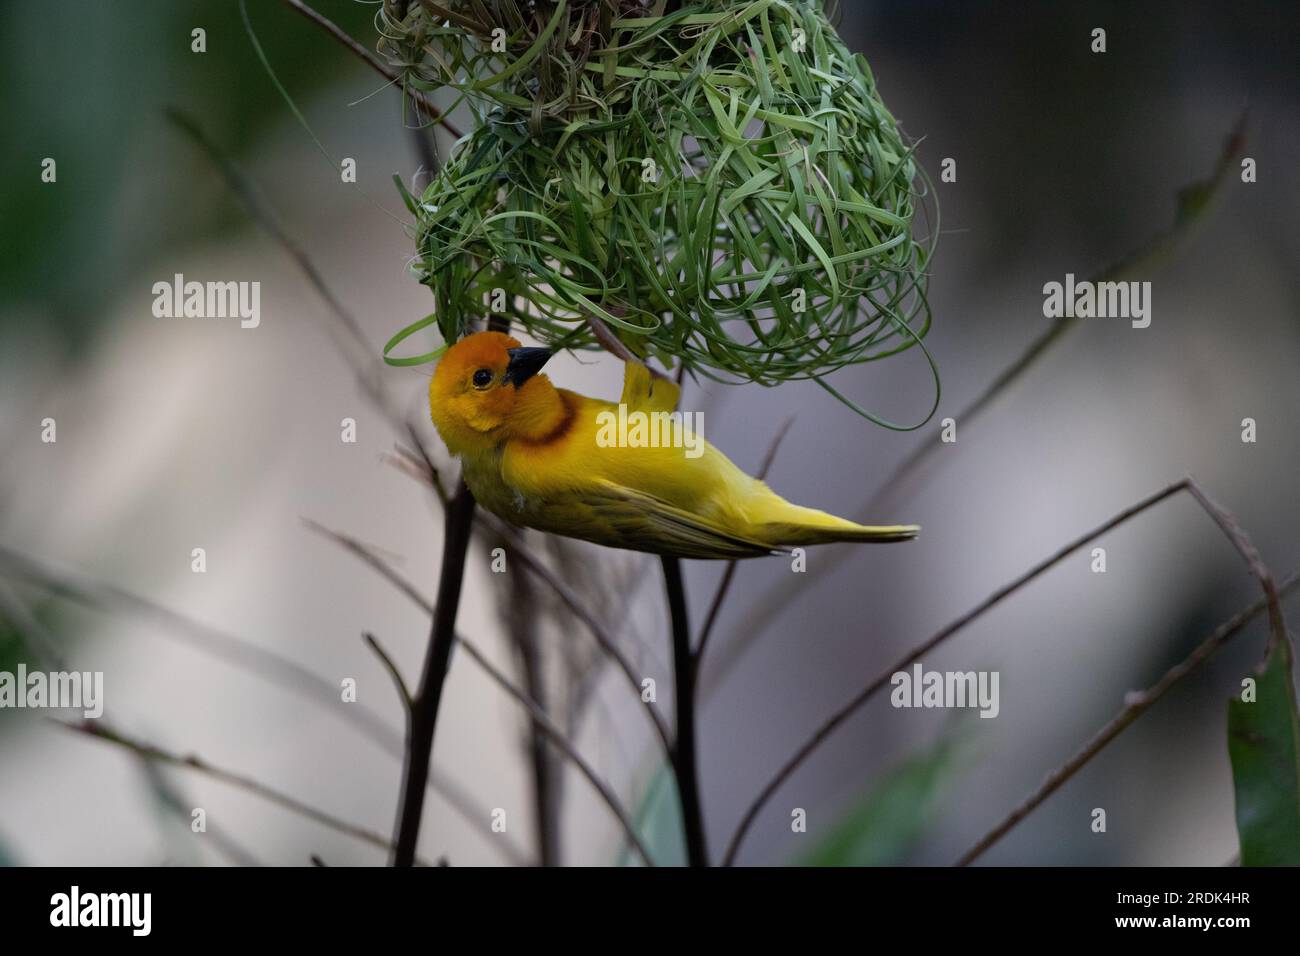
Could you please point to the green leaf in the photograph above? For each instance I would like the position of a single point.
(13, 651)
(1264, 744)
(658, 820)
(412, 205)
(888, 820)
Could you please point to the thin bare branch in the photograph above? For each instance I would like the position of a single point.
(346, 332)
(520, 612)
(685, 758)
(243, 655)
(1250, 554)
(882, 679)
(427, 701)
(373, 643)
(1135, 705)
(543, 722)
(181, 806)
(537, 714)
(406, 462)
(260, 210)
(151, 752)
(598, 631)
(435, 477)
(612, 344)
(418, 100)
(457, 16)
(19, 615)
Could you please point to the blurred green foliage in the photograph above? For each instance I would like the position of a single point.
(13, 651)
(888, 820)
(1264, 744)
(658, 820)
(86, 83)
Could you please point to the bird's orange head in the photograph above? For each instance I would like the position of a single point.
(486, 390)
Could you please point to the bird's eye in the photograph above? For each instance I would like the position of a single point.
(482, 378)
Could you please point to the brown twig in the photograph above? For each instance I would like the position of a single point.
(402, 692)
(685, 758)
(255, 203)
(523, 623)
(428, 697)
(237, 652)
(244, 655)
(882, 679)
(624, 590)
(151, 752)
(612, 344)
(433, 476)
(353, 346)
(1139, 703)
(418, 100)
(1250, 554)
(538, 715)
(173, 801)
(1135, 705)
(543, 722)
(599, 632)
(36, 637)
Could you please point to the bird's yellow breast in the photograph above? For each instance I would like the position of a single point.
(591, 448)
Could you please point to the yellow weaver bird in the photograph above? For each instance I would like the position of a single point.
(531, 455)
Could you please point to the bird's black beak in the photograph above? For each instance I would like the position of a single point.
(524, 364)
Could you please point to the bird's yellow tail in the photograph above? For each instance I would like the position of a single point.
(789, 525)
(784, 535)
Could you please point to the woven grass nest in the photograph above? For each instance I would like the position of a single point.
(719, 182)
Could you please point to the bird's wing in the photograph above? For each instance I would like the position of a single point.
(647, 392)
(646, 522)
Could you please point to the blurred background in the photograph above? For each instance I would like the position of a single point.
(177, 434)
